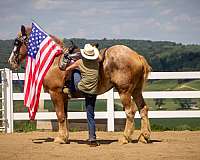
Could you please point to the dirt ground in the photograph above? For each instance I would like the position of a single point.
(165, 145)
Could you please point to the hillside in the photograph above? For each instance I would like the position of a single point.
(5, 50)
(162, 55)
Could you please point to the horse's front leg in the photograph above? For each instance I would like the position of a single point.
(130, 109)
(58, 101)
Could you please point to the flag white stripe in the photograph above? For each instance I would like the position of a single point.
(44, 69)
(37, 66)
(39, 59)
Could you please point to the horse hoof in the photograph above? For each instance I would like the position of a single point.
(60, 140)
(123, 140)
(146, 134)
(143, 139)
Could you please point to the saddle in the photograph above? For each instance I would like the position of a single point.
(71, 55)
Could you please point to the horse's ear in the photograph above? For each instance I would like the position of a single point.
(23, 30)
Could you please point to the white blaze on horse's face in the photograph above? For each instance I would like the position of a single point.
(10, 60)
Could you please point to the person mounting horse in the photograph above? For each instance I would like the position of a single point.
(121, 68)
(89, 70)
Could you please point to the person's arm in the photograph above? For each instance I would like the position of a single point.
(73, 66)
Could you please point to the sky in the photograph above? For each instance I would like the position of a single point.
(157, 20)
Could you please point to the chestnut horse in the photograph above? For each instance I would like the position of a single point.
(121, 68)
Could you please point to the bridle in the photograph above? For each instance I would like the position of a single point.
(18, 42)
(22, 39)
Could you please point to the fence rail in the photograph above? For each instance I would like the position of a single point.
(2, 99)
(110, 114)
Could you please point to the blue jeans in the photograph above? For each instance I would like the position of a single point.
(75, 79)
(90, 101)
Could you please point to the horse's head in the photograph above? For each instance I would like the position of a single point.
(19, 51)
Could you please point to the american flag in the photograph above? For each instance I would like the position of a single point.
(41, 52)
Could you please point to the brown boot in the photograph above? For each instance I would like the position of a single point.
(93, 143)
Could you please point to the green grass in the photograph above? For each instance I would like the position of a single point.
(160, 85)
(161, 124)
(101, 105)
(178, 124)
(157, 124)
(172, 124)
(194, 84)
(24, 126)
(78, 105)
(155, 85)
(166, 85)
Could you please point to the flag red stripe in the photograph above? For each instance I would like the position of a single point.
(38, 82)
(28, 85)
(36, 69)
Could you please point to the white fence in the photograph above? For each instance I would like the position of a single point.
(110, 114)
(2, 99)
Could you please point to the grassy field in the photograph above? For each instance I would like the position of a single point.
(167, 85)
(154, 104)
(161, 124)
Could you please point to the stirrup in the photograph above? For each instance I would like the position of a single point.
(67, 91)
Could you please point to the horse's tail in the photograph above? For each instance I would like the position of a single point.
(146, 67)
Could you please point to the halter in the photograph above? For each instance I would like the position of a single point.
(18, 42)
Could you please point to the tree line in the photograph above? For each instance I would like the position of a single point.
(161, 55)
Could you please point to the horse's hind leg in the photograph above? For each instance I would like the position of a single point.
(58, 101)
(143, 110)
(130, 109)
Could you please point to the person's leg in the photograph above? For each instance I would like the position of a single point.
(90, 105)
(75, 79)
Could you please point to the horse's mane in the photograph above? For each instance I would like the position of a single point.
(57, 40)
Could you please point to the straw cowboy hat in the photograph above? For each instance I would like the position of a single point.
(90, 52)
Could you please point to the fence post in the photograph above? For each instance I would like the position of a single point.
(9, 101)
(110, 110)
